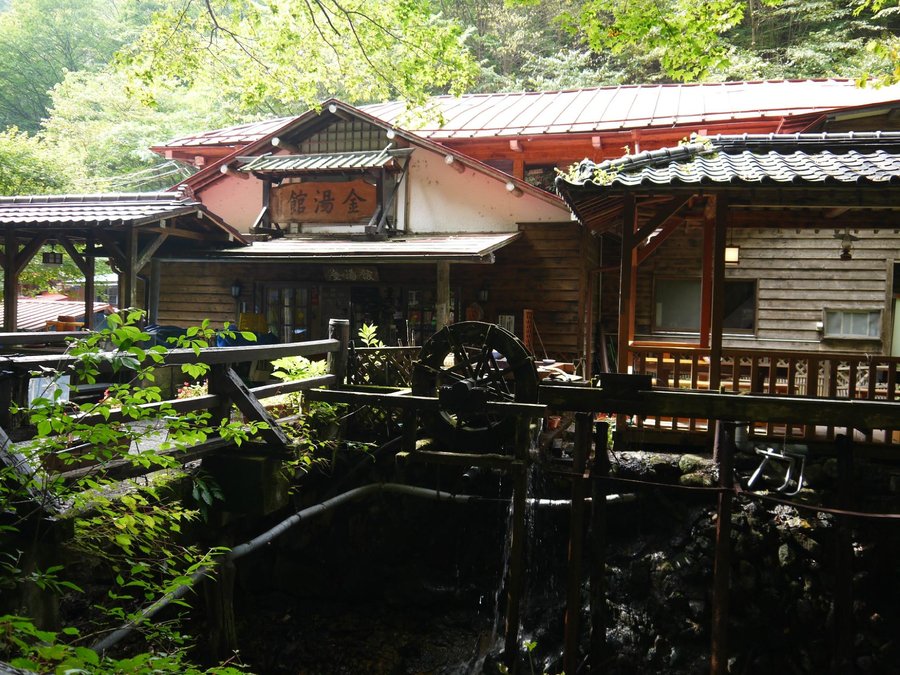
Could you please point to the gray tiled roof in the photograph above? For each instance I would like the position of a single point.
(107, 209)
(850, 158)
(334, 161)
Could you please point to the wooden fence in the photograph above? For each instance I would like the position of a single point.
(823, 375)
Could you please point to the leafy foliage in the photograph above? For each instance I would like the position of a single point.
(25, 167)
(41, 40)
(133, 528)
(280, 54)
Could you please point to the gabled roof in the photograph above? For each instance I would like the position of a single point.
(235, 136)
(590, 110)
(848, 158)
(80, 212)
(313, 120)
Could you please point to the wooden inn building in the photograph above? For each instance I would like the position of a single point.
(356, 212)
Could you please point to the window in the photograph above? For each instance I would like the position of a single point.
(542, 176)
(858, 324)
(677, 306)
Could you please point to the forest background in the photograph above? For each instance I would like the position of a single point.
(87, 86)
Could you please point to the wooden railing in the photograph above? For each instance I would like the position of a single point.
(226, 388)
(793, 374)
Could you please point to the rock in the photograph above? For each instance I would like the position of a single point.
(786, 556)
(692, 463)
(806, 543)
(696, 479)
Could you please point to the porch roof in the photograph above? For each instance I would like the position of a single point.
(327, 162)
(852, 158)
(75, 214)
(813, 170)
(465, 247)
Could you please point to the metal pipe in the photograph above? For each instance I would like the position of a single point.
(266, 538)
(304, 514)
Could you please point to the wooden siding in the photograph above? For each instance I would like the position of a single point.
(546, 270)
(345, 136)
(798, 274)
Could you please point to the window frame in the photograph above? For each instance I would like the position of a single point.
(657, 329)
(878, 312)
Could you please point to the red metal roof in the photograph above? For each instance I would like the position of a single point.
(34, 313)
(634, 107)
(238, 135)
(596, 109)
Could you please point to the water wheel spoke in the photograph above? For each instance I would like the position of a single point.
(492, 360)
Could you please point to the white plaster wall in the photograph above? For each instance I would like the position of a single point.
(444, 200)
(436, 198)
(237, 201)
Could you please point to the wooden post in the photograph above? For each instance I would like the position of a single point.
(90, 263)
(442, 296)
(843, 577)
(516, 566)
(153, 295)
(599, 490)
(576, 541)
(516, 578)
(218, 593)
(724, 450)
(339, 329)
(717, 318)
(627, 281)
(706, 271)
(128, 286)
(10, 281)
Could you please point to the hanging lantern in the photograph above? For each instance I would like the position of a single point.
(52, 258)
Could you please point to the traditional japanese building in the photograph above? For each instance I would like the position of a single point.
(356, 212)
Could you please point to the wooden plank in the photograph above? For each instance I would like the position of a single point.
(209, 355)
(707, 405)
(232, 386)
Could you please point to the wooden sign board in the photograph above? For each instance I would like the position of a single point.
(346, 202)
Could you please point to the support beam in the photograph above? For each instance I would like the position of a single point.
(10, 281)
(113, 251)
(128, 291)
(599, 490)
(90, 273)
(442, 295)
(717, 318)
(146, 254)
(842, 659)
(661, 217)
(724, 446)
(28, 251)
(153, 299)
(227, 383)
(706, 273)
(571, 654)
(627, 281)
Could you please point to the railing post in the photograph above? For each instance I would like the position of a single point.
(722, 571)
(599, 489)
(842, 658)
(583, 423)
(339, 329)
